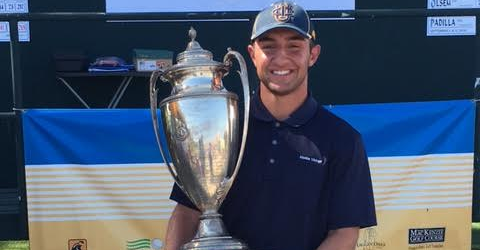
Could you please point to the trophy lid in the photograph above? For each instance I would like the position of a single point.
(194, 55)
(195, 70)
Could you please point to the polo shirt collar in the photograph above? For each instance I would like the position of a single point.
(299, 117)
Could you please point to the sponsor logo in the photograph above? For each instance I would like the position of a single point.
(144, 244)
(321, 160)
(282, 12)
(77, 244)
(370, 241)
(426, 235)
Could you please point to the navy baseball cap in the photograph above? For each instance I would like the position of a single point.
(283, 14)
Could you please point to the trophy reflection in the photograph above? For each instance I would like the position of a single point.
(200, 123)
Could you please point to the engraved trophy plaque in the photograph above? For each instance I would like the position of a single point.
(200, 122)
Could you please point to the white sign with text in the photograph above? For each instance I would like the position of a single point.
(14, 6)
(4, 32)
(451, 26)
(23, 31)
(452, 4)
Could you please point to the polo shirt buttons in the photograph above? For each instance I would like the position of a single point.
(270, 169)
(274, 141)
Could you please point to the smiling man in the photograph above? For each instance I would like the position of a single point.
(304, 183)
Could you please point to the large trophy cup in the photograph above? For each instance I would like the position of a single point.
(200, 122)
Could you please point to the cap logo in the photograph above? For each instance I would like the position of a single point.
(282, 12)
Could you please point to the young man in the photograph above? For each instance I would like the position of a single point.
(305, 182)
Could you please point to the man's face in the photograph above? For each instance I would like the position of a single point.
(282, 58)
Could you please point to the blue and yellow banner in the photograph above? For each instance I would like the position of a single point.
(95, 178)
(421, 161)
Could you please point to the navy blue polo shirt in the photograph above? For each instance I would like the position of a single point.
(299, 179)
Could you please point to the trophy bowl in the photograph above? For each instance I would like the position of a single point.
(200, 124)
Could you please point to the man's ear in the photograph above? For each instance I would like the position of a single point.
(251, 52)
(314, 54)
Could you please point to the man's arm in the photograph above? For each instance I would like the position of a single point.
(341, 239)
(181, 227)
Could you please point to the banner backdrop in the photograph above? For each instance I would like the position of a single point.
(189, 6)
(95, 179)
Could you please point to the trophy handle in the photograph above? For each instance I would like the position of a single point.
(153, 109)
(227, 60)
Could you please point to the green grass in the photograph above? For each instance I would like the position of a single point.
(23, 245)
(475, 236)
(14, 245)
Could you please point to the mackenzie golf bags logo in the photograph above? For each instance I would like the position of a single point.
(426, 235)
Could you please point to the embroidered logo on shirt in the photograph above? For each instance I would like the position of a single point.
(318, 160)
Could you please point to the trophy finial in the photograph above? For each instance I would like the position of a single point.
(194, 53)
(192, 33)
(193, 45)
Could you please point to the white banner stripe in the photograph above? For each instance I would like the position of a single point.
(95, 192)
(89, 172)
(433, 157)
(420, 187)
(422, 169)
(432, 193)
(418, 182)
(97, 198)
(96, 166)
(423, 157)
(453, 200)
(166, 203)
(100, 218)
(162, 184)
(429, 206)
(414, 176)
(165, 191)
(97, 178)
(140, 203)
(412, 164)
(110, 211)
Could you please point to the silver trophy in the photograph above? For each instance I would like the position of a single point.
(200, 122)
